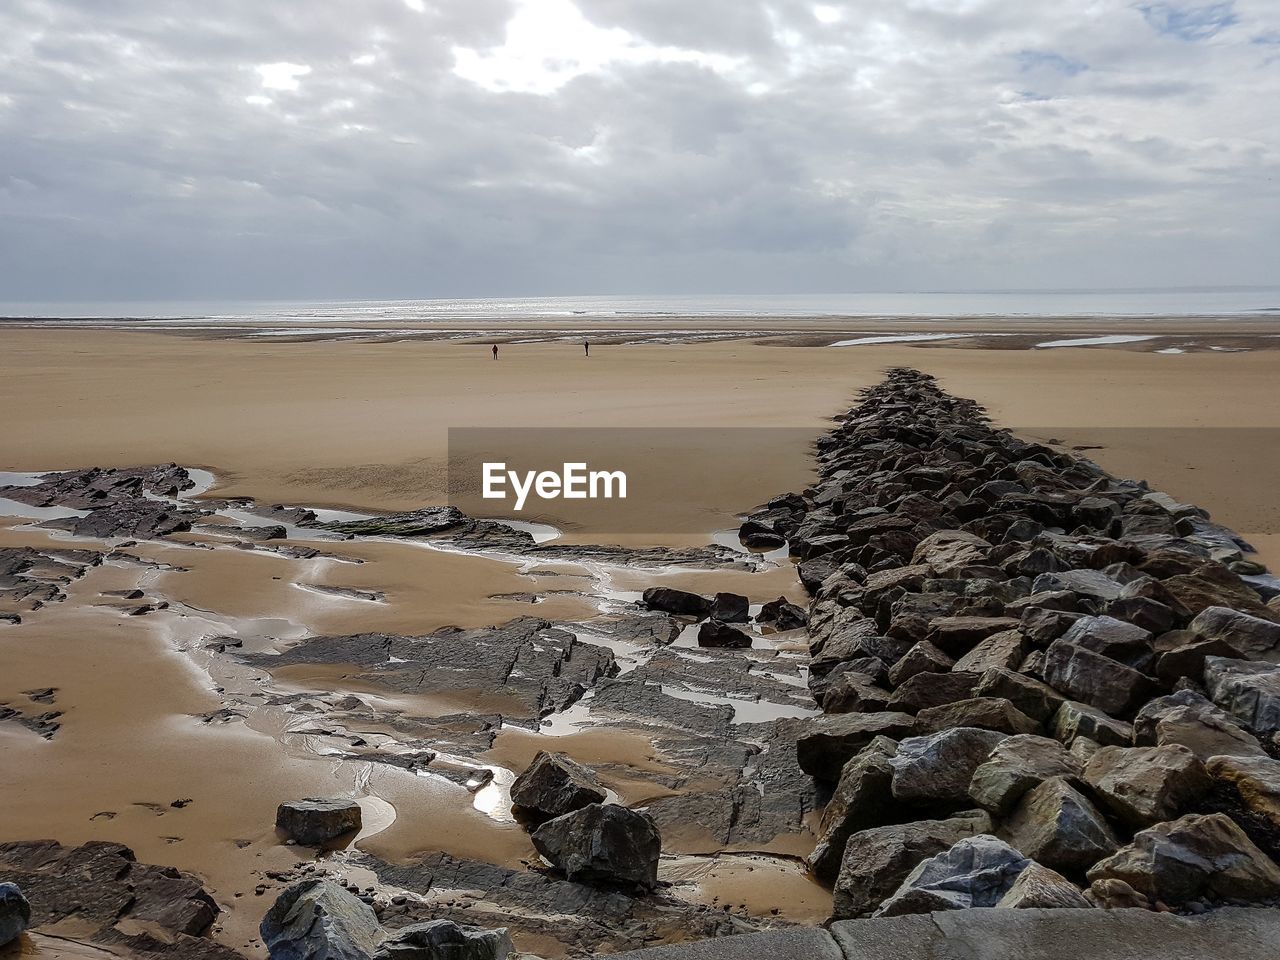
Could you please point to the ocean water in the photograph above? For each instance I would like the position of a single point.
(1226, 301)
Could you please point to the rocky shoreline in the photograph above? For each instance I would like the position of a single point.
(1017, 682)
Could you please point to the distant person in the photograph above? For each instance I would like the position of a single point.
(495, 351)
(586, 348)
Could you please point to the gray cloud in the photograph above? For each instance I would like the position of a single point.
(369, 148)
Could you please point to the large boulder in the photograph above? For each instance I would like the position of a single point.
(1016, 765)
(1037, 700)
(1144, 785)
(829, 742)
(680, 602)
(730, 608)
(1256, 780)
(603, 844)
(854, 692)
(951, 552)
(1186, 656)
(1039, 888)
(1213, 585)
(876, 861)
(1252, 636)
(956, 636)
(1197, 857)
(927, 690)
(1005, 649)
(1122, 642)
(862, 799)
(553, 785)
(318, 919)
(1189, 718)
(1075, 721)
(782, 614)
(937, 768)
(316, 821)
(1246, 689)
(988, 713)
(1095, 679)
(15, 912)
(1055, 824)
(974, 872)
(924, 657)
(445, 940)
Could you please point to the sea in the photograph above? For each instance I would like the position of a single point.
(1198, 301)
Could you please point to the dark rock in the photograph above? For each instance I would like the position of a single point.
(974, 872)
(957, 635)
(1037, 700)
(15, 912)
(553, 785)
(1055, 824)
(853, 692)
(681, 602)
(862, 799)
(1187, 659)
(876, 861)
(315, 821)
(1004, 650)
(1095, 679)
(1256, 781)
(730, 608)
(782, 615)
(829, 742)
(1016, 765)
(1085, 583)
(1248, 690)
(1144, 785)
(987, 713)
(317, 919)
(713, 633)
(1075, 721)
(760, 536)
(1195, 857)
(1042, 626)
(923, 657)
(1254, 637)
(1148, 614)
(444, 940)
(1122, 642)
(603, 844)
(1213, 585)
(927, 690)
(1188, 718)
(938, 768)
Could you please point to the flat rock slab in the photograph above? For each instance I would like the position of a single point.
(807, 943)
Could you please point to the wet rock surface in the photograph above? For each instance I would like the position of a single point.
(603, 844)
(316, 821)
(1073, 652)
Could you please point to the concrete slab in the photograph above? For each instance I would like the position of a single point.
(805, 943)
(993, 934)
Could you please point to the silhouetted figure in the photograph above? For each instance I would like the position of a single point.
(495, 351)
(586, 348)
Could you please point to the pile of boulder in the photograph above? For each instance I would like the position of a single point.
(1041, 686)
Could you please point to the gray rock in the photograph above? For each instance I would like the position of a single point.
(924, 657)
(1186, 659)
(553, 785)
(1195, 857)
(940, 766)
(1055, 824)
(1094, 679)
(1016, 765)
(445, 940)
(1086, 583)
(1247, 690)
(1076, 720)
(1039, 888)
(1042, 625)
(853, 692)
(319, 920)
(1189, 718)
(957, 635)
(975, 872)
(15, 912)
(987, 713)
(1122, 642)
(1144, 785)
(862, 799)
(1037, 700)
(781, 614)
(1000, 650)
(933, 690)
(830, 742)
(951, 552)
(315, 821)
(1252, 636)
(876, 861)
(603, 844)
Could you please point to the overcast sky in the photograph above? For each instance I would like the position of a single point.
(419, 148)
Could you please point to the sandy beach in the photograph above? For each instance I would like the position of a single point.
(363, 426)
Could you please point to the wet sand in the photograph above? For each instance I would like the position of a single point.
(363, 425)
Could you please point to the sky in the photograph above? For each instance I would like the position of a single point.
(182, 149)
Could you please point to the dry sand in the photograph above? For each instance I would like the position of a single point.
(363, 425)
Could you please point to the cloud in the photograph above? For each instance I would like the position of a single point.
(384, 148)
